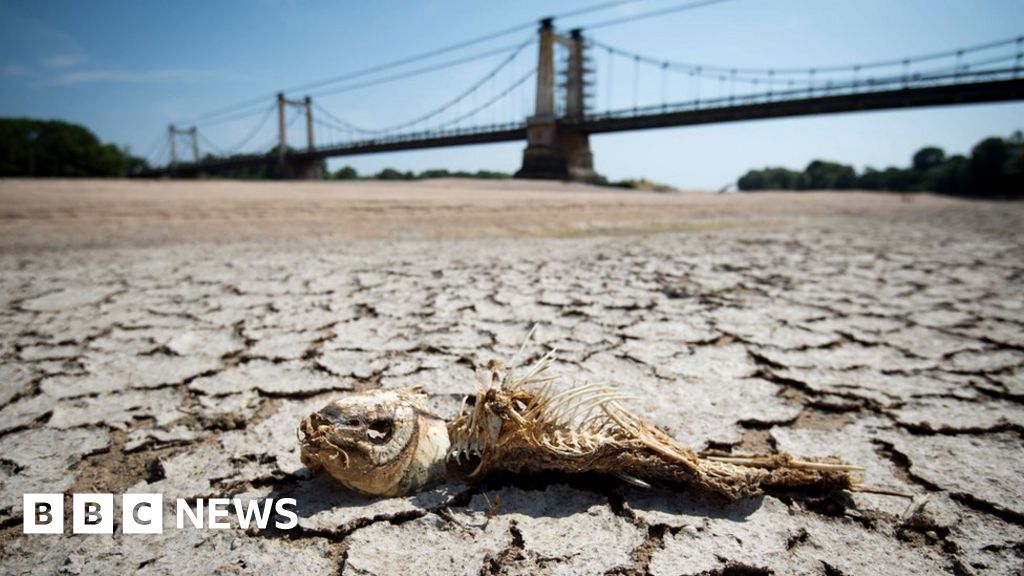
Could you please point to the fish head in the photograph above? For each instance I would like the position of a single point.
(380, 442)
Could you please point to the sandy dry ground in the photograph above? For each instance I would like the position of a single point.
(78, 214)
(168, 336)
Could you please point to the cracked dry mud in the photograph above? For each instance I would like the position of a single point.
(885, 332)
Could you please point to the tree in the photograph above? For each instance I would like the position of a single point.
(824, 175)
(435, 173)
(899, 179)
(986, 169)
(769, 179)
(951, 177)
(871, 179)
(751, 181)
(345, 173)
(1014, 166)
(927, 158)
(52, 148)
(492, 175)
(995, 168)
(392, 174)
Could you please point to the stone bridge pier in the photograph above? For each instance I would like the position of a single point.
(554, 151)
(289, 168)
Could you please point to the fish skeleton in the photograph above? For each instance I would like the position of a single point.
(387, 443)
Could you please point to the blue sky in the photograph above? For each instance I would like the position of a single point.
(127, 69)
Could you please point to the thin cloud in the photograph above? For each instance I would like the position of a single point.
(14, 70)
(37, 43)
(154, 76)
(64, 61)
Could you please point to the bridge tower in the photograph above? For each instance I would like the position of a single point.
(172, 135)
(297, 169)
(554, 151)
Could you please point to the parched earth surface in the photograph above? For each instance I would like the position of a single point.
(169, 339)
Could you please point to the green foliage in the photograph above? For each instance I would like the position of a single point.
(392, 174)
(52, 148)
(481, 174)
(822, 175)
(986, 167)
(345, 173)
(995, 169)
(891, 179)
(642, 184)
(263, 171)
(435, 173)
(927, 158)
(349, 173)
(770, 179)
(489, 175)
(269, 169)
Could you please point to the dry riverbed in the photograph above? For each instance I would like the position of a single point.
(168, 336)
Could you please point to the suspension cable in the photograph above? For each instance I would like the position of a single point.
(158, 156)
(457, 99)
(654, 13)
(490, 101)
(234, 117)
(210, 144)
(339, 122)
(252, 133)
(416, 72)
(410, 59)
(716, 70)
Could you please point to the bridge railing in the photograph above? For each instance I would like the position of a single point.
(992, 69)
(864, 86)
(270, 155)
(421, 135)
(825, 89)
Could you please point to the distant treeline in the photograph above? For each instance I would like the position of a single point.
(267, 172)
(350, 173)
(642, 184)
(52, 148)
(995, 169)
(257, 171)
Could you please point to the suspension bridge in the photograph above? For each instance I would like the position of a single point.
(554, 103)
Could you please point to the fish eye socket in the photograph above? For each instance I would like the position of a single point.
(379, 431)
(353, 422)
(334, 414)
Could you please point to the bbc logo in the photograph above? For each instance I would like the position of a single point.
(93, 513)
(144, 513)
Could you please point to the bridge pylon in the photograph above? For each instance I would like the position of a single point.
(296, 169)
(553, 151)
(172, 135)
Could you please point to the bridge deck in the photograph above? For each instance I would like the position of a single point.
(975, 93)
(723, 110)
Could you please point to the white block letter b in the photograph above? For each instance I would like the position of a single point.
(43, 514)
(92, 513)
